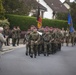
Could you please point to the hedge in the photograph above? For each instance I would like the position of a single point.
(25, 22)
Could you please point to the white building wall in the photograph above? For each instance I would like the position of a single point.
(47, 14)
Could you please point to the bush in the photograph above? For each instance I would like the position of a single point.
(4, 23)
(25, 22)
(55, 23)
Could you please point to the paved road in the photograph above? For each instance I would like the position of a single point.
(16, 63)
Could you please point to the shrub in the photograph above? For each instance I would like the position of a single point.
(25, 22)
(4, 23)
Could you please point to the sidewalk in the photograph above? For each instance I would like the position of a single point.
(9, 48)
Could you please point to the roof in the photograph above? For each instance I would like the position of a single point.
(42, 7)
(35, 4)
(56, 5)
(67, 2)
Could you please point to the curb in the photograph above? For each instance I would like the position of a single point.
(10, 48)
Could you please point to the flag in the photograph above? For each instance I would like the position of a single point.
(69, 19)
(39, 18)
(70, 23)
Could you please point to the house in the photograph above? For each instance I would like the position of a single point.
(66, 3)
(53, 7)
(34, 11)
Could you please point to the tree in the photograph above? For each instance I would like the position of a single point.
(21, 7)
(2, 10)
(73, 12)
(12, 6)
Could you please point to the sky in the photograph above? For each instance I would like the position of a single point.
(64, 0)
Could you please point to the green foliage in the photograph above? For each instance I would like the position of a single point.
(55, 23)
(2, 10)
(25, 22)
(62, 16)
(12, 6)
(4, 23)
(73, 13)
(19, 7)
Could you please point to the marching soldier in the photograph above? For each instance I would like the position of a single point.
(72, 36)
(28, 49)
(14, 36)
(41, 43)
(34, 37)
(59, 40)
(67, 36)
(54, 42)
(18, 35)
(47, 42)
(7, 33)
(63, 35)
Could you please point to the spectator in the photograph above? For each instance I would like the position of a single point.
(2, 40)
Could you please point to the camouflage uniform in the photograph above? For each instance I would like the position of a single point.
(18, 35)
(60, 36)
(34, 37)
(41, 43)
(47, 38)
(54, 42)
(7, 36)
(28, 49)
(63, 36)
(72, 36)
(67, 37)
(14, 36)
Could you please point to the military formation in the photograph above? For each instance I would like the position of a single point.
(47, 40)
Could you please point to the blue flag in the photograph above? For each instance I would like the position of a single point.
(69, 19)
(70, 23)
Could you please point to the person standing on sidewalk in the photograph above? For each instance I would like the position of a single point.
(2, 40)
(18, 35)
(6, 33)
(14, 36)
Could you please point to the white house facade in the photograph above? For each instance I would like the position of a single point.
(52, 6)
(47, 14)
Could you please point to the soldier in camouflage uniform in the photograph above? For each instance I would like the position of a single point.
(59, 40)
(67, 36)
(47, 41)
(63, 35)
(18, 35)
(6, 33)
(28, 49)
(72, 36)
(14, 36)
(54, 42)
(41, 43)
(34, 38)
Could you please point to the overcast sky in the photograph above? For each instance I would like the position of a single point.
(64, 0)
